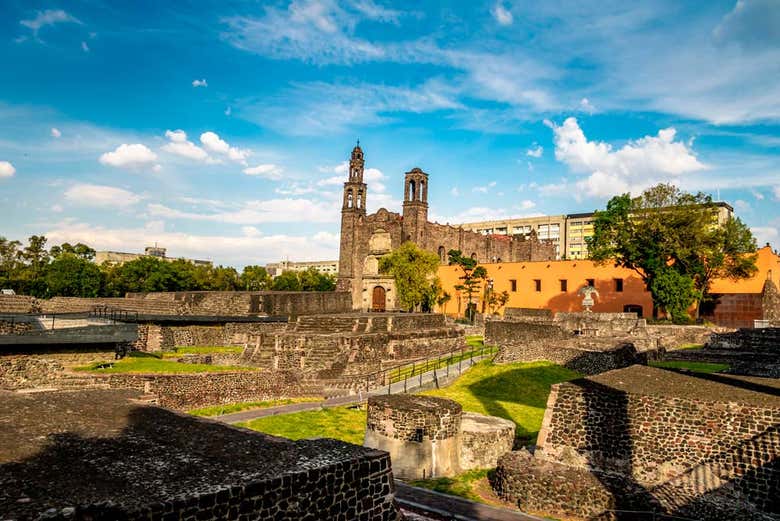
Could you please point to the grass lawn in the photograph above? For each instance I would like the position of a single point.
(517, 392)
(696, 367)
(202, 350)
(216, 410)
(138, 362)
(461, 485)
(342, 423)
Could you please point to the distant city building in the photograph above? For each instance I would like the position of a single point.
(567, 232)
(327, 267)
(117, 257)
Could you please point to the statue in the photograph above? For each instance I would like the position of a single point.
(587, 292)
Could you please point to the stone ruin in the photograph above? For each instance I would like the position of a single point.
(589, 343)
(99, 456)
(753, 352)
(429, 437)
(646, 439)
(340, 350)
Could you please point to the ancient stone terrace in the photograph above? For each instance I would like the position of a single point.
(642, 438)
(336, 347)
(753, 352)
(97, 455)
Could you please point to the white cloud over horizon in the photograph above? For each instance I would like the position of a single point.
(6, 169)
(85, 194)
(633, 167)
(129, 156)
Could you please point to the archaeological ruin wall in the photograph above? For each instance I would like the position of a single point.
(645, 438)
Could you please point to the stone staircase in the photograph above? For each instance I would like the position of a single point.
(15, 304)
(329, 324)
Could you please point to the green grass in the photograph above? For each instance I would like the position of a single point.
(202, 350)
(342, 423)
(461, 485)
(138, 362)
(409, 370)
(216, 410)
(696, 367)
(517, 392)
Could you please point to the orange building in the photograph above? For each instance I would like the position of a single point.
(555, 285)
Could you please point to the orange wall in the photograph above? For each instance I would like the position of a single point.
(575, 272)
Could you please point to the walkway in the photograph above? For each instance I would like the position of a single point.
(441, 506)
(431, 379)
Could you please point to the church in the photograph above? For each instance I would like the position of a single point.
(366, 238)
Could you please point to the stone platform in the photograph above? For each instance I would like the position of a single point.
(97, 455)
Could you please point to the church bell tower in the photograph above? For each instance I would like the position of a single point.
(353, 213)
(415, 206)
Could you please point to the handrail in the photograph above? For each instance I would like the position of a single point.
(423, 365)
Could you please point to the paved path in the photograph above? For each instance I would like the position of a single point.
(425, 380)
(442, 506)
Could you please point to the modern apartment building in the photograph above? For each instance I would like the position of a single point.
(567, 232)
(327, 267)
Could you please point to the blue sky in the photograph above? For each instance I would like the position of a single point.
(220, 129)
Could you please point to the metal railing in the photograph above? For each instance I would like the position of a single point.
(113, 314)
(418, 367)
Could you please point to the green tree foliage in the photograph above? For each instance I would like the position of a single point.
(287, 281)
(666, 227)
(413, 270)
(674, 292)
(254, 278)
(313, 280)
(70, 275)
(148, 274)
(473, 277)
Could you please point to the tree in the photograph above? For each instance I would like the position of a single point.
(674, 292)
(473, 276)
(497, 300)
(79, 250)
(254, 278)
(413, 270)
(666, 227)
(70, 275)
(287, 281)
(9, 263)
(313, 280)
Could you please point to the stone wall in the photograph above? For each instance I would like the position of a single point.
(14, 327)
(193, 390)
(421, 433)
(104, 458)
(483, 440)
(770, 302)
(154, 337)
(13, 304)
(703, 448)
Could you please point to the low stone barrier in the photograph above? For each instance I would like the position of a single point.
(483, 440)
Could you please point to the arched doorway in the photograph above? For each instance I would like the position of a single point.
(379, 299)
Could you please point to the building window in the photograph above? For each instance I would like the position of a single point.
(538, 284)
(590, 282)
(513, 284)
(564, 285)
(618, 285)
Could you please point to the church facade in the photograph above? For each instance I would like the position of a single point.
(366, 238)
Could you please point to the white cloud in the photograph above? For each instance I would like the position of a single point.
(758, 195)
(250, 247)
(213, 143)
(6, 169)
(484, 189)
(200, 83)
(268, 171)
(48, 17)
(373, 11)
(129, 156)
(454, 192)
(776, 192)
(288, 210)
(55, 132)
(527, 204)
(180, 146)
(84, 46)
(766, 234)
(536, 151)
(85, 194)
(636, 165)
(502, 15)
(587, 106)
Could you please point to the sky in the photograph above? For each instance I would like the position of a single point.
(220, 130)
